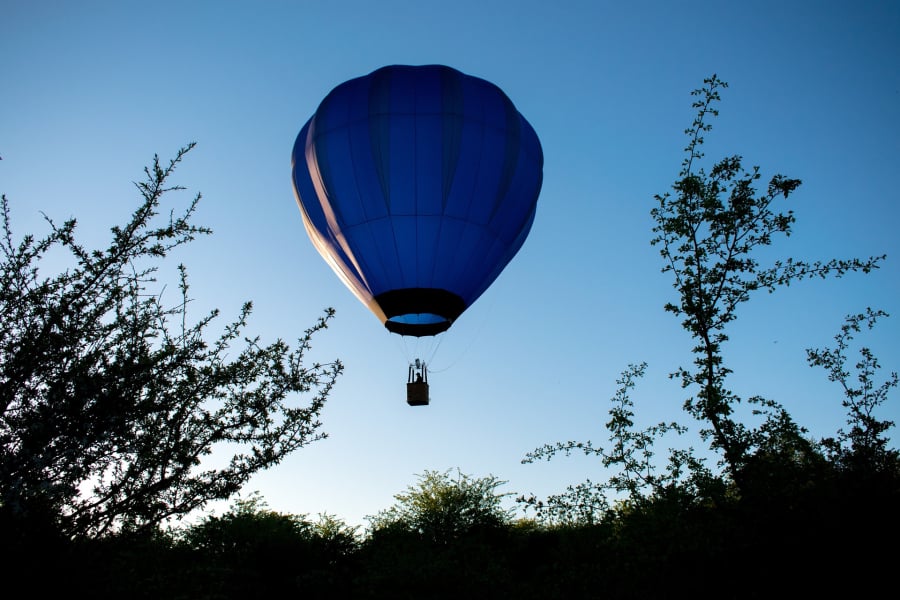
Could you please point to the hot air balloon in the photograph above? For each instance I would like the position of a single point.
(417, 185)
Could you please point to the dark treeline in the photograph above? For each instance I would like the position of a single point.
(111, 400)
(807, 532)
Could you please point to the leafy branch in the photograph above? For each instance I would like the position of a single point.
(708, 231)
(111, 402)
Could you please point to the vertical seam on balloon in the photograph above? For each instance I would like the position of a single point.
(468, 221)
(390, 204)
(378, 81)
(416, 178)
(455, 91)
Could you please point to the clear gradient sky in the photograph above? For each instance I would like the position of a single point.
(90, 90)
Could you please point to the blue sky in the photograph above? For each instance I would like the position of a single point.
(91, 90)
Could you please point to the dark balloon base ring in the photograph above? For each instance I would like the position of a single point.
(419, 311)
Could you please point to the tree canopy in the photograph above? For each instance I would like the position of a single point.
(111, 399)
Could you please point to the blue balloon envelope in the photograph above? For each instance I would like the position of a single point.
(418, 185)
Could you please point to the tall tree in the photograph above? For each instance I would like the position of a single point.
(709, 232)
(111, 399)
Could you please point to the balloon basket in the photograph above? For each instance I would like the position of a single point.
(417, 393)
(417, 384)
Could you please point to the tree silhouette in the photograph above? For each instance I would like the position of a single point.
(110, 399)
(709, 232)
(440, 508)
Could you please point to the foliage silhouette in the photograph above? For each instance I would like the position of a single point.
(784, 505)
(252, 551)
(865, 446)
(110, 399)
(440, 509)
(709, 233)
(637, 482)
(445, 537)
